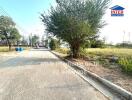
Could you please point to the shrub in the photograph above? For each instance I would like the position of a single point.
(126, 64)
(98, 44)
(54, 44)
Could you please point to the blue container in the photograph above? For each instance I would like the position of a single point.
(17, 49)
(20, 49)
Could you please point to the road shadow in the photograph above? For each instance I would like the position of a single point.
(40, 49)
(23, 61)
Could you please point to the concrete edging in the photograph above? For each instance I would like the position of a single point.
(105, 82)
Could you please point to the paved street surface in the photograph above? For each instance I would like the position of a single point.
(39, 75)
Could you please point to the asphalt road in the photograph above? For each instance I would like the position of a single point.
(39, 75)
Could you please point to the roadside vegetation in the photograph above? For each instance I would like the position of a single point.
(78, 23)
(107, 57)
(75, 22)
(54, 44)
(6, 48)
(113, 64)
(8, 32)
(10, 37)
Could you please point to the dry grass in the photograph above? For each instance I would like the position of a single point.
(6, 48)
(110, 51)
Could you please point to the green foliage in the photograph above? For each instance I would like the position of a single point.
(124, 45)
(126, 64)
(14, 35)
(54, 44)
(75, 21)
(107, 57)
(6, 23)
(8, 31)
(98, 44)
(95, 42)
(124, 57)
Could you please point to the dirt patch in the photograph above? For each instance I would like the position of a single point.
(113, 74)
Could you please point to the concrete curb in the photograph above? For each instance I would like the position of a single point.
(105, 82)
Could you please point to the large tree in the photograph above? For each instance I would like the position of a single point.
(14, 36)
(8, 31)
(75, 21)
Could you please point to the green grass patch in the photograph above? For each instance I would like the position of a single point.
(107, 56)
(110, 52)
(126, 64)
(6, 48)
(62, 50)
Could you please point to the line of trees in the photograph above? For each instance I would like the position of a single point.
(75, 21)
(9, 34)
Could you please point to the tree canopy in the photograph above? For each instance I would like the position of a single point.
(8, 31)
(75, 21)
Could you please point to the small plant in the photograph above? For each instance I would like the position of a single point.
(54, 44)
(126, 64)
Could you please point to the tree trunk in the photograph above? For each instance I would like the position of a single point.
(9, 47)
(9, 44)
(75, 51)
(8, 41)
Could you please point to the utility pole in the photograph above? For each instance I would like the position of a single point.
(31, 41)
(124, 36)
(124, 39)
(129, 35)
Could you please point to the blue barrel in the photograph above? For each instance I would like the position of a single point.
(17, 49)
(20, 49)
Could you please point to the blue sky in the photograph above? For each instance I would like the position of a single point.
(26, 14)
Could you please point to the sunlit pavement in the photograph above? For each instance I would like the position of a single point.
(39, 75)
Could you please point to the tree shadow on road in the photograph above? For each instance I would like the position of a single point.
(23, 61)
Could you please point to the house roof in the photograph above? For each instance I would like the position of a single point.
(117, 8)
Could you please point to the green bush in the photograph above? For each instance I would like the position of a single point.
(54, 44)
(98, 44)
(126, 64)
